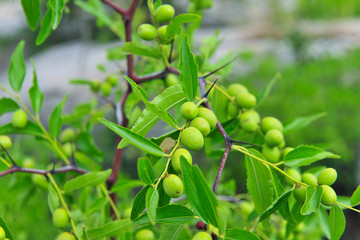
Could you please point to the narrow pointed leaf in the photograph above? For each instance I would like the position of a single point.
(87, 180)
(240, 234)
(53, 199)
(35, 94)
(32, 12)
(152, 199)
(30, 129)
(337, 222)
(57, 7)
(45, 29)
(145, 171)
(55, 121)
(266, 91)
(301, 122)
(312, 201)
(139, 203)
(171, 232)
(141, 49)
(111, 229)
(174, 26)
(324, 222)
(17, 69)
(355, 198)
(7, 105)
(6, 229)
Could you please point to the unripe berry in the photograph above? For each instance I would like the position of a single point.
(60, 218)
(202, 236)
(188, 110)
(327, 176)
(209, 116)
(147, 32)
(236, 89)
(232, 110)
(246, 208)
(164, 13)
(40, 180)
(250, 115)
(66, 236)
(161, 31)
(268, 123)
(171, 79)
(5, 141)
(249, 125)
(287, 150)
(300, 194)
(246, 100)
(2, 234)
(105, 89)
(309, 179)
(328, 197)
(294, 174)
(145, 234)
(192, 138)
(19, 119)
(95, 85)
(201, 124)
(175, 160)
(201, 225)
(271, 154)
(113, 80)
(67, 135)
(273, 138)
(127, 212)
(28, 163)
(173, 186)
(68, 149)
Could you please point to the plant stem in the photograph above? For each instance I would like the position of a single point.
(111, 202)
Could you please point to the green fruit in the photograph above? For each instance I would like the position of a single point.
(40, 180)
(236, 89)
(273, 138)
(188, 110)
(249, 126)
(127, 212)
(144, 234)
(147, 32)
(2, 234)
(328, 197)
(175, 160)
(95, 85)
(309, 179)
(68, 149)
(105, 89)
(60, 218)
(171, 79)
(201, 124)
(287, 150)
(113, 80)
(294, 174)
(300, 194)
(173, 186)
(269, 123)
(28, 163)
(246, 208)
(232, 110)
(249, 121)
(161, 31)
(209, 116)
(192, 138)
(67, 135)
(327, 176)
(19, 119)
(66, 236)
(246, 100)
(5, 141)
(205, 4)
(164, 13)
(271, 154)
(202, 236)
(250, 115)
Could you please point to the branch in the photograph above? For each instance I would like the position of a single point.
(68, 168)
(115, 7)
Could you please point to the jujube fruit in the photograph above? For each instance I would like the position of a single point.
(192, 138)
(268, 123)
(173, 186)
(147, 32)
(164, 13)
(2, 234)
(249, 121)
(188, 110)
(246, 208)
(19, 119)
(127, 212)
(145, 234)
(5, 141)
(273, 138)
(202, 236)
(162, 34)
(66, 236)
(67, 135)
(250, 114)
(105, 89)
(246, 100)
(201, 124)
(287, 150)
(28, 163)
(40, 180)
(327, 176)
(209, 116)
(271, 154)
(232, 110)
(236, 89)
(249, 126)
(171, 79)
(300, 194)
(309, 179)
(95, 85)
(175, 160)
(328, 197)
(113, 80)
(60, 218)
(294, 174)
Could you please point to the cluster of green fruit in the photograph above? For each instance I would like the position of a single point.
(3, 234)
(67, 138)
(324, 180)
(61, 220)
(148, 32)
(106, 86)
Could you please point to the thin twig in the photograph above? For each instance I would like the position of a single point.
(6, 152)
(218, 69)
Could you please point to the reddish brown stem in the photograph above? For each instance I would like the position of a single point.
(68, 168)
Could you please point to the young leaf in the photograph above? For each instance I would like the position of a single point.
(6, 229)
(301, 122)
(86, 180)
(32, 12)
(45, 29)
(188, 71)
(305, 155)
(139, 203)
(57, 7)
(141, 49)
(145, 171)
(7, 105)
(312, 201)
(17, 69)
(240, 234)
(337, 222)
(152, 199)
(55, 121)
(355, 198)
(110, 229)
(171, 232)
(53, 199)
(266, 91)
(137, 140)
(126, 184)
(175, 25)
(30, 129)
(35, 95)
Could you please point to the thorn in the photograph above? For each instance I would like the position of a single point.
(212, 85)
(6, 152)
(218, 69)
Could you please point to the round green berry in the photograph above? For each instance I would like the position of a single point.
(192, 138)
(300, 194)
(113, 80)
(161, 31)
(188, 110)
(66, 236)
(246, 100)
(60, 218)
(40, 180)
(236, 89)
(287, 150)
(209, 116)
(171, 79)
(250, 114)
(232, 110)
(105, 89)
(175, 160)
(5, 141)
(328, 197)
(2, 234)
(201, 124)
(28, 163)
(271, 154)
(268, 123)
(202, 236)
(68, 149)
(19, 119)
(173, 186)
(294, 174)
(327, 176)
(274, 138)
(67, 135)
(95, 85)
(127, 212)
(147, 32)
(246, 208)
(145, 234)
(309, 179)
(164, 13)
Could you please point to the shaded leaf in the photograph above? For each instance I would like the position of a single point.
(110, 229)
(87, 180)
(30, 129)
(152, 199)
(141, 49)
(17, 69)
(240, 234)
(312, 201)
(324, 222)
(174, 26)
(145, 171)
(6, 229)
(32, 12)
(55, 121)
(125, 184)
(139, 203)
(301, 122)
(266, 91)
(337, 222)
(7, 105)
(171, 232)
(53, 199)
(35, 95)
(355, 197)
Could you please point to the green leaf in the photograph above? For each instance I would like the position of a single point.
(6, 229)
(141, 49)
(126, 184)
(188, 71)
(355, 197)
(30, 129)
(81, 82)
(110, 229)
(240, 234)
(7, 105)
(55, 120)
(57, 7)
(45, 29)
(133, 138)
(305, 155)
(35, 95)
(152, 199)
(171, 232)
(324, 222)
(259, 182)
(222, 216)
(174, 26)
(266, 91)
(169, 98)
(53, 199)
(199, 194)
(145, 171)
(32, 12)
(337, 222)
(312, 201)
(85, 235)
(301, 122)
(87, 180)
(139, 203)
(17, 69)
